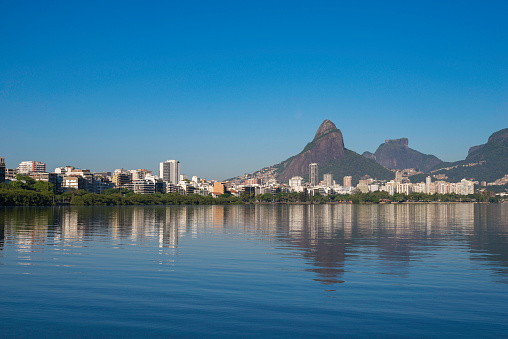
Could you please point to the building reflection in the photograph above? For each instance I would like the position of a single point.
(331, 238)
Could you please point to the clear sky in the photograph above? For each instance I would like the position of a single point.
(230, 87)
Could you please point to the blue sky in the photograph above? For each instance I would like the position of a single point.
(230, 87)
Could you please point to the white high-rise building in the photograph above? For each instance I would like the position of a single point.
(428, 181)
(466, 187)
(328, 179)
(398, 177)
(169, 171)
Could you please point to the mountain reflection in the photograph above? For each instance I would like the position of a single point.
(327, 237)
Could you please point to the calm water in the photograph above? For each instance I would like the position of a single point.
(419, 270)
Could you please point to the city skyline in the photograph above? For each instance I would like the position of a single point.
(108, 86)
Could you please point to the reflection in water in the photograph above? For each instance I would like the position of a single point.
(390, 236)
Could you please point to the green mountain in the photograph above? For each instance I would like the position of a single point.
(487, 162)
(356, 166)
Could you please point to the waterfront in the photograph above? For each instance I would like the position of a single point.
(265, 270)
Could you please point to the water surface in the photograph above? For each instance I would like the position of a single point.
(408, 270)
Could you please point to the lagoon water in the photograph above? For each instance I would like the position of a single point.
(407, 270)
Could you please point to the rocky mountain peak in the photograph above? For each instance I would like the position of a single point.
(325, 127)
(396, 154)
(401, 141)
(499, 135)
(327, 145)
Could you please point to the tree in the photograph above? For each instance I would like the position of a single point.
(26, 179)
(43, 186)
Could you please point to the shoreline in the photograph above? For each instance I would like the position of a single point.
(268, 204)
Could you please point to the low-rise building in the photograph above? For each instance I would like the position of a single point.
(251, 182)
(218, 188)
(170, 188)
(296, 184)
(121, 179)
(10, 174)
(142, 186)
(74, 183)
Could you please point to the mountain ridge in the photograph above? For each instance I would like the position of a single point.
(396, 154)
(486, 162)
(489, 161)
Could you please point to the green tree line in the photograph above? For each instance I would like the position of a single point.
(26, 192)
(125, 197)
(372, 197)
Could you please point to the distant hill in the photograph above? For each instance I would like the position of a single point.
(396, 154)
(327, 149)
(487, 162)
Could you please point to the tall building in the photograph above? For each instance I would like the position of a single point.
(466, 187)
(2, 169)
(348, 181)
(31, 166)
(398, 177)
(169, 171)
(328, 179)
(313, 174)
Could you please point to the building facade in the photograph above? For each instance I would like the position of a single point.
(121, 179)
(26, 167)
(169, 171)
(2, 169)
(74, 183)
(313, 174)
(328, 179)
(219, 188)
(398, 177)
(250, 182)
(296, 184)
